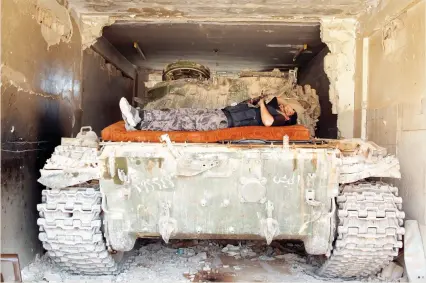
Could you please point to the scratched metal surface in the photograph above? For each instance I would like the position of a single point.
(215, 189)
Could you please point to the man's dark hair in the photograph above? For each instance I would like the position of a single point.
(293, 118)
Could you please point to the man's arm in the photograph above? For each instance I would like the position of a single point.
(266, 117)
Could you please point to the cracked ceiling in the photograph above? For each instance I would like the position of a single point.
(168, 30)
(256, 9)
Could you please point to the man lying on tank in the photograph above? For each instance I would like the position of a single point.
(253, 112)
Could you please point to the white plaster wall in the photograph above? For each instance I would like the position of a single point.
(339, 65)
(396, 115)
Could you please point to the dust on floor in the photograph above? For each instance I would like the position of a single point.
(200, 261)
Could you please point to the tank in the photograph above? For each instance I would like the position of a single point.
(103, 195)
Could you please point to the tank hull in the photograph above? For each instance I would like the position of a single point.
(216, 191)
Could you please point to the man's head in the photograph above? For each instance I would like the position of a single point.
(288, 112)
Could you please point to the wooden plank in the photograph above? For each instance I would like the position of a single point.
(113, 56)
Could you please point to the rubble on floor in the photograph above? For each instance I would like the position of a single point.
(200, 261)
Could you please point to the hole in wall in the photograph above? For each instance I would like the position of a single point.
(236, 47)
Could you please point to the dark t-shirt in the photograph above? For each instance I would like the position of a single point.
(279, 119)
(243, 115)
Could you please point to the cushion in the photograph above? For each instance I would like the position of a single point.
(117, 133)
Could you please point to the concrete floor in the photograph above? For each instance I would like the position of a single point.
(203, 261)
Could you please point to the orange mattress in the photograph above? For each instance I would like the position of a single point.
(117, 133)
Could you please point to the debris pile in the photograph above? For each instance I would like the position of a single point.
(200, 261)
(221, 91)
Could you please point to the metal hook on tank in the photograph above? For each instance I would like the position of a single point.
(175, 152)
(167, 225)
(269, 227)
(286, 142)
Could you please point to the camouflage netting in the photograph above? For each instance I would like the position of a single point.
(219, 92)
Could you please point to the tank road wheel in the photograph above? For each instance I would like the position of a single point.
(185, 70)
(70, 229)
(369, 232)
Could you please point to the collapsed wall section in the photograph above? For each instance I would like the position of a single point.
(314, 75)
(339, 65)
(223, 90)
(91, 28)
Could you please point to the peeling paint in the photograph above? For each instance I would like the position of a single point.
(14, 78)
(224, 8)
(156, 12)
(96, 14)
(394, 38)
(55, 22)
(381, 13)
(91, 28)
(339, 65)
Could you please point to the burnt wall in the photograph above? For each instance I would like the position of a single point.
(40, 95)
(313, 74)
(103, 86)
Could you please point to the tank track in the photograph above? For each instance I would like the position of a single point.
(70, 230)
(369, 233)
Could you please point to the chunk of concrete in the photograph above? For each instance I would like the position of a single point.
(198, 258)
(392, 272)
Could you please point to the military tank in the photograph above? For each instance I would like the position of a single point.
(101, 196)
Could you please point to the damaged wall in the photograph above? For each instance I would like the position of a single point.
(103, 86)
(217, 92)
(223, 90)
(314, 75)
(223, 8)
(338, 26)
(396, 106)
(40, 94)
(340, 66)
(95, 14)
(55, 22)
